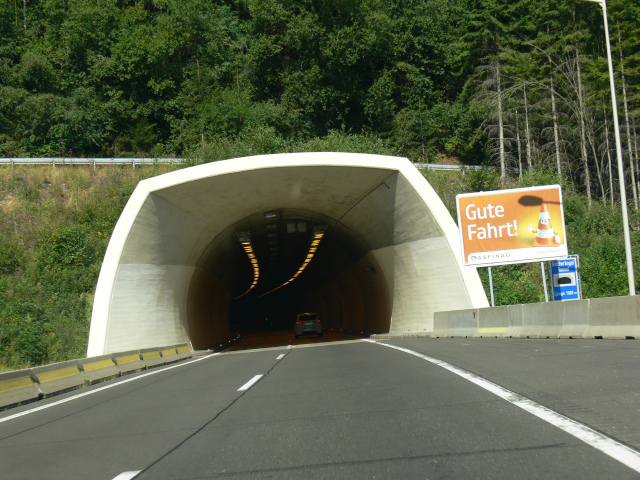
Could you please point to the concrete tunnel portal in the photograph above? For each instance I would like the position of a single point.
(248, 243)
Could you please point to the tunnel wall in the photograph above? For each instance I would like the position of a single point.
(208, 310)
(154, 271)
(152, 315)
(358, 301)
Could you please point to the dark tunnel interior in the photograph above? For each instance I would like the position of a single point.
(303, 262)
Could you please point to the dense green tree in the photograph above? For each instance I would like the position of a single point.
(482, 80)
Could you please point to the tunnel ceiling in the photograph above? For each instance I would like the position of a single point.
(281, 240)
(297, 198)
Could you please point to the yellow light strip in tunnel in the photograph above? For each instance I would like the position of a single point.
(317, 238)
(246, 245)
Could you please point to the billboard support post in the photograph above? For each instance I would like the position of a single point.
(491, 287)
(544, 282)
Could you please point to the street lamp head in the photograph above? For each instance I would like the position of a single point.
(599, 2)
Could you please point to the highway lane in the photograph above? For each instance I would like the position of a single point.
(592, 381)
(124, 427)
(327, 410)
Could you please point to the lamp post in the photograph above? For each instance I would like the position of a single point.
(623, 193)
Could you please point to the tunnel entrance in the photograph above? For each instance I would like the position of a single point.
(203, 251)
(283, 262)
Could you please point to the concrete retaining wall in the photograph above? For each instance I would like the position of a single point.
(611, 317)
(23, 386)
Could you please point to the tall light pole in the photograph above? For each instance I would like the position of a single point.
(623, 193)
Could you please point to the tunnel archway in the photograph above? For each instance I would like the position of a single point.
(361, 239)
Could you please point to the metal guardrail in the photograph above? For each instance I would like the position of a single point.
(439, 166)
(56, 161)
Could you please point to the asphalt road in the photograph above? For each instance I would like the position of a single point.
(334, 410)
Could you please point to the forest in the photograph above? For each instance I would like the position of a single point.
(518, 86)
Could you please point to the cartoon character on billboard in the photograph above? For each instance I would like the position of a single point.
(545, 236)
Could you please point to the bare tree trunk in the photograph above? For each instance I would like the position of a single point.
(503, 166)
(598, 171)
(606, 130)
(519, 149)
(526, 127)
(556, 136)
(626, 117)
(635, 140)
(583, 140)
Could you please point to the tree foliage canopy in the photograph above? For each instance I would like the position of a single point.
(165, 77)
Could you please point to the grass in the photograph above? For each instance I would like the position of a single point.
(54, 229)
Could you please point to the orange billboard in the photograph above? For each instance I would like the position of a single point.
(512, 226)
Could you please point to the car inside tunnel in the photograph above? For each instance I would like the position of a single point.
(283, 262)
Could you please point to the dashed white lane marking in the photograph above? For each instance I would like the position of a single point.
(606, 445)
(127, 475)
(250, 383)
(280, 357)
(91, 392)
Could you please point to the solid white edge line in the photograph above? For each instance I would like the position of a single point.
(100, 389)
(607, 445)
(127, 475)
(281, 356)
(250, 383)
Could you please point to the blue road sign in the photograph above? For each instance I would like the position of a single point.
(564, 274)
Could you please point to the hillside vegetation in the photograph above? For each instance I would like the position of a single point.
(515, 83)
(55, 227)
(56, 224)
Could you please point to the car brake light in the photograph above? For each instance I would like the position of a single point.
(317, 321)
(298, 323)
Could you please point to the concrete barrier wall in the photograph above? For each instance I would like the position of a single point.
(514, 321)
(492, 322)
(152, 357)
(18, 386)
(128, 362)
(614, 317)
(455, 323)
(59, 377)
(576, 319)
(23, 386)
(611, 317)
(97, 369)
(531, 320)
